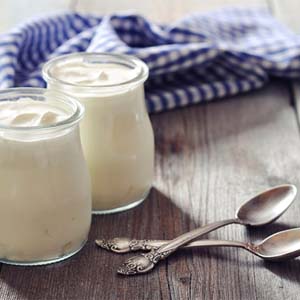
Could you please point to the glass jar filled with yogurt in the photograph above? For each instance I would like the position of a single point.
(45, 201)
(116, 132)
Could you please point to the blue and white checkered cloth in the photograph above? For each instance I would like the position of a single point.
(199, 58)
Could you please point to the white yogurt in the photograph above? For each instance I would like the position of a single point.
(45, 204)
(93, 74)
(116, 131)
(27, 112)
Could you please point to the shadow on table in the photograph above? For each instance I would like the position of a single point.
(261, 232)
(289, 269)
(91, 274)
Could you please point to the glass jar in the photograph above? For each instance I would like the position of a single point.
(116, 132)
(45, 202)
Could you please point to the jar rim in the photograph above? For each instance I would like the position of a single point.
(103, 57)
(43, 93)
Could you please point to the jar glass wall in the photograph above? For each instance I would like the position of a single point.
(45, 197)
(116, 132)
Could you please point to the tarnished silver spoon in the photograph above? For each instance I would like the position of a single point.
(278, 246)
(281, 245)
(260, 210)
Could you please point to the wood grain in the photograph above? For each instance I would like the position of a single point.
(209, 159)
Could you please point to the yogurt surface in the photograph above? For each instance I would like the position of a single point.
(93, 74)
(27, 112)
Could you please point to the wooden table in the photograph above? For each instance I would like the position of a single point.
(209, 159)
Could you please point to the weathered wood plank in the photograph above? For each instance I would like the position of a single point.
(209, 159)
(167, 10)
(13, 12)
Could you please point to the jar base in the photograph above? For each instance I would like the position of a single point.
(122, 208)
(42, 262)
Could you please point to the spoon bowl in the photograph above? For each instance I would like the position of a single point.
(268, 206)
(282, 245)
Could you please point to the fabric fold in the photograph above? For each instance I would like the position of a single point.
(199, 58)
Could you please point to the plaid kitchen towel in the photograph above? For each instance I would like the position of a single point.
(199, 58)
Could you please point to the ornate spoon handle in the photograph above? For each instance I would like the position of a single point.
(125, 245)
(146, 261)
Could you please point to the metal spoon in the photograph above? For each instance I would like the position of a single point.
(260, 210)
(285, 243)
(281, 245)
